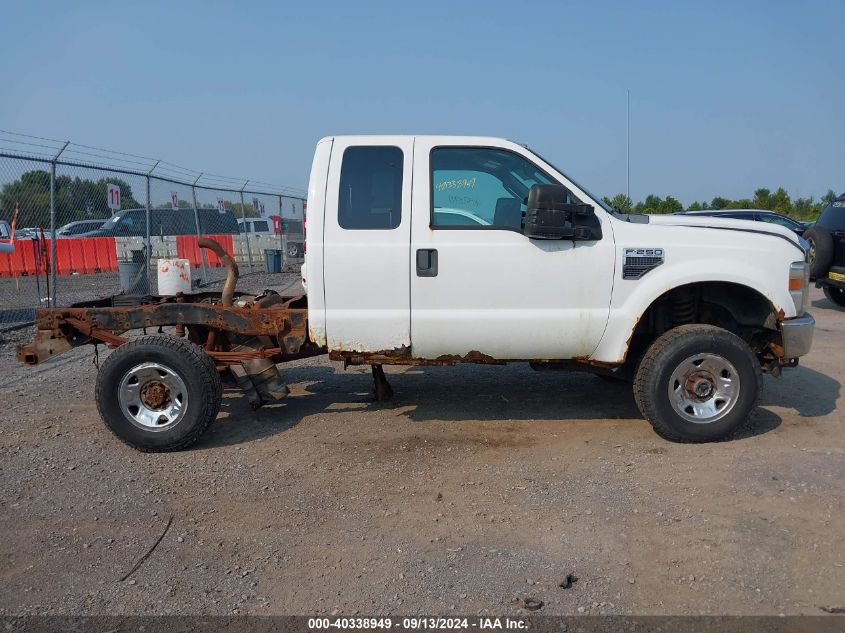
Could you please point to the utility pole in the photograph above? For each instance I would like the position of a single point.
(199, 231)
(148, 245)
(246, 232)
(628, 144)
(51, 300)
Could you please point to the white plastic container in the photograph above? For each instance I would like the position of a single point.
(174, 276)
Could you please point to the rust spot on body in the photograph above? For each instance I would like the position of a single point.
(470, 357)
(402, 356)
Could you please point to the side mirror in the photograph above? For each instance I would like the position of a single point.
(551, 216)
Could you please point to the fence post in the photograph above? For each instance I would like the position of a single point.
(281, 235)
(148, 246)
(243, 217)
(199, 232)
(51, 300)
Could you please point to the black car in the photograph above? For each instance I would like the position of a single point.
(133, 223)
(758, 215)
(827, 251)
(80, 228)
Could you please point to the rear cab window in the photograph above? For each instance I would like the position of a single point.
(370, 195)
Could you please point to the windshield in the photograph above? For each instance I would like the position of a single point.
(598, 200)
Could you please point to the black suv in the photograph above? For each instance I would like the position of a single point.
(827, 251)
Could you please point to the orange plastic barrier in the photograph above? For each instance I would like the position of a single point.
(5, 263)
(187, 248)
(82, 256)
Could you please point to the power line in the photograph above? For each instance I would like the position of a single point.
(113, 156)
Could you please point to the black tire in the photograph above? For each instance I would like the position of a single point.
(677, 349)
(821, 251)
(837, 295)
(159, 359)
(293, 250)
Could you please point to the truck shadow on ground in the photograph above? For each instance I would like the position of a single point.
(827, 304)
(478, 393)
(809, 392)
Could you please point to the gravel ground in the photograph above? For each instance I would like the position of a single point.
(475, 488)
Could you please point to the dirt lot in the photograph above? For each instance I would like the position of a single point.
(477, 486)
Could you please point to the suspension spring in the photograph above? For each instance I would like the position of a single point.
(684, 307)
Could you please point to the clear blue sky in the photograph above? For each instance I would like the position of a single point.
(726, 97)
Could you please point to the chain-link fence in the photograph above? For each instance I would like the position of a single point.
(78, 223)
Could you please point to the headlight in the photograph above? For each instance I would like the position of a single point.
(799, 283)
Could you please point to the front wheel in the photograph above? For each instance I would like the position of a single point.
(697, 383)
(158, 393)
(837, 295)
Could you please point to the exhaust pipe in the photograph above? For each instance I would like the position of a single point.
(259, 378)
(231, 265)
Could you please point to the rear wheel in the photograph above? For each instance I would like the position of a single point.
(837, 295)
(697, 383)
(158, 393)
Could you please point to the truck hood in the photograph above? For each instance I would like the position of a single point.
(728, 224)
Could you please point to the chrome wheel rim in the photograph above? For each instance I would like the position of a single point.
(153, 397)
(704, 388)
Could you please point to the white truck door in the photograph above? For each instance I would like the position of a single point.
(366, 237)
(478, 284)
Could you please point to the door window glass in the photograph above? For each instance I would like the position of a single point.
(476, 187)
(260, 227)
(370, 195)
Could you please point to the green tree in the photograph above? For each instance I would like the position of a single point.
(742, 203)
(670, 205)
(719, 203)
(805, 208)
(620, 202)
(76, 198)
(762, 199)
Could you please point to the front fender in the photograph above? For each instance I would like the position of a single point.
(632, 298)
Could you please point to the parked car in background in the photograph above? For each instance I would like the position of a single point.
(27, 233)
(80, 228)
(259, 226)
(827, 251)
(758, 215)
(294, 234)
(132, 223)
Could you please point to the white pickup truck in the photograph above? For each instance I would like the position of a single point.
(441, 249)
